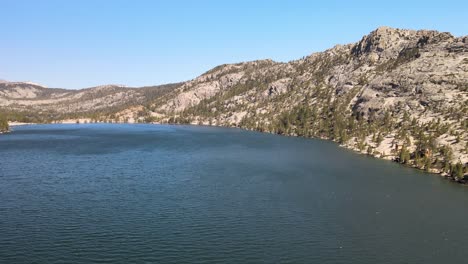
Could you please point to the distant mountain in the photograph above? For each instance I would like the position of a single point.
(54, 103)
(397, 94)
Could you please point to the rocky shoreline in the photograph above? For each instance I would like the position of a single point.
(392, 158)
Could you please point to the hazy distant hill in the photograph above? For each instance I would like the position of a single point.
(53, 104)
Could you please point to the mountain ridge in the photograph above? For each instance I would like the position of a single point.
(396, 94)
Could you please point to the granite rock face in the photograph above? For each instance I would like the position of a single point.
(420, 73)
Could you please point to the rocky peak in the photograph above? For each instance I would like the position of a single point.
(386, 43)
(107, 86)
(377, 41)
(21, 84)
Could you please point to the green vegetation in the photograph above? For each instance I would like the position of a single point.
(3, 124)
(457, 171)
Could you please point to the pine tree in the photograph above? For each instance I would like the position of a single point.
(427, 163)
(370, 150)
(379, 138)
(404, 155)
(457, 171)
(361, 144)
(3, 124)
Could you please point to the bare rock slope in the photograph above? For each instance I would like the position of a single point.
(397, 94)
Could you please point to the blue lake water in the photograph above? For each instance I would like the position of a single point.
(95, 193)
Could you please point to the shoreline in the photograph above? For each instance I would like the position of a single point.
(12, 124)
(344, 146)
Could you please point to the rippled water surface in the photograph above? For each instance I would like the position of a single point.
(181, 194)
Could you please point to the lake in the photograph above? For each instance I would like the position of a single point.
(114, 193)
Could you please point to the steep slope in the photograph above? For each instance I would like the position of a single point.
(397, 94)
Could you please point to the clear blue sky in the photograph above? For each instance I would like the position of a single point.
(76, 44)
